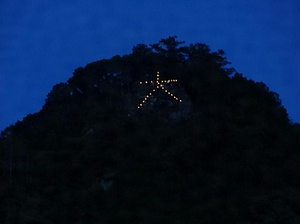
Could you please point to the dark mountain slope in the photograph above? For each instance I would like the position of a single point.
(226, 154)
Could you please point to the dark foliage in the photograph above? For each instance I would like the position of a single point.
(227, 154)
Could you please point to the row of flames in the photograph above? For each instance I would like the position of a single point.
(158, 85)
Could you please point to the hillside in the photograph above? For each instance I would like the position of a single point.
(220, 149)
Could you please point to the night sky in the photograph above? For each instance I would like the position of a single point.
(42, 42)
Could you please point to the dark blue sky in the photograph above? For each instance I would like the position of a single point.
(42, 42)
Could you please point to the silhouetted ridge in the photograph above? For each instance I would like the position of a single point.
(227, 153)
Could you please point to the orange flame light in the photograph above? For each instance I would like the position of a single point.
(159, 85)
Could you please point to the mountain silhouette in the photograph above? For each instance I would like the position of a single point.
(206, 146)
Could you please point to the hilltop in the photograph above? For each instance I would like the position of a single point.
(224, 152)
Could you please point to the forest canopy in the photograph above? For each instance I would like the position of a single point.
(228, 153)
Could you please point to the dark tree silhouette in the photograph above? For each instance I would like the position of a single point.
(227, 154)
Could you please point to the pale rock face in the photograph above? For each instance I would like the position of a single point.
(106, 184)
(90, 131)
(79, 90)
(107, 180)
